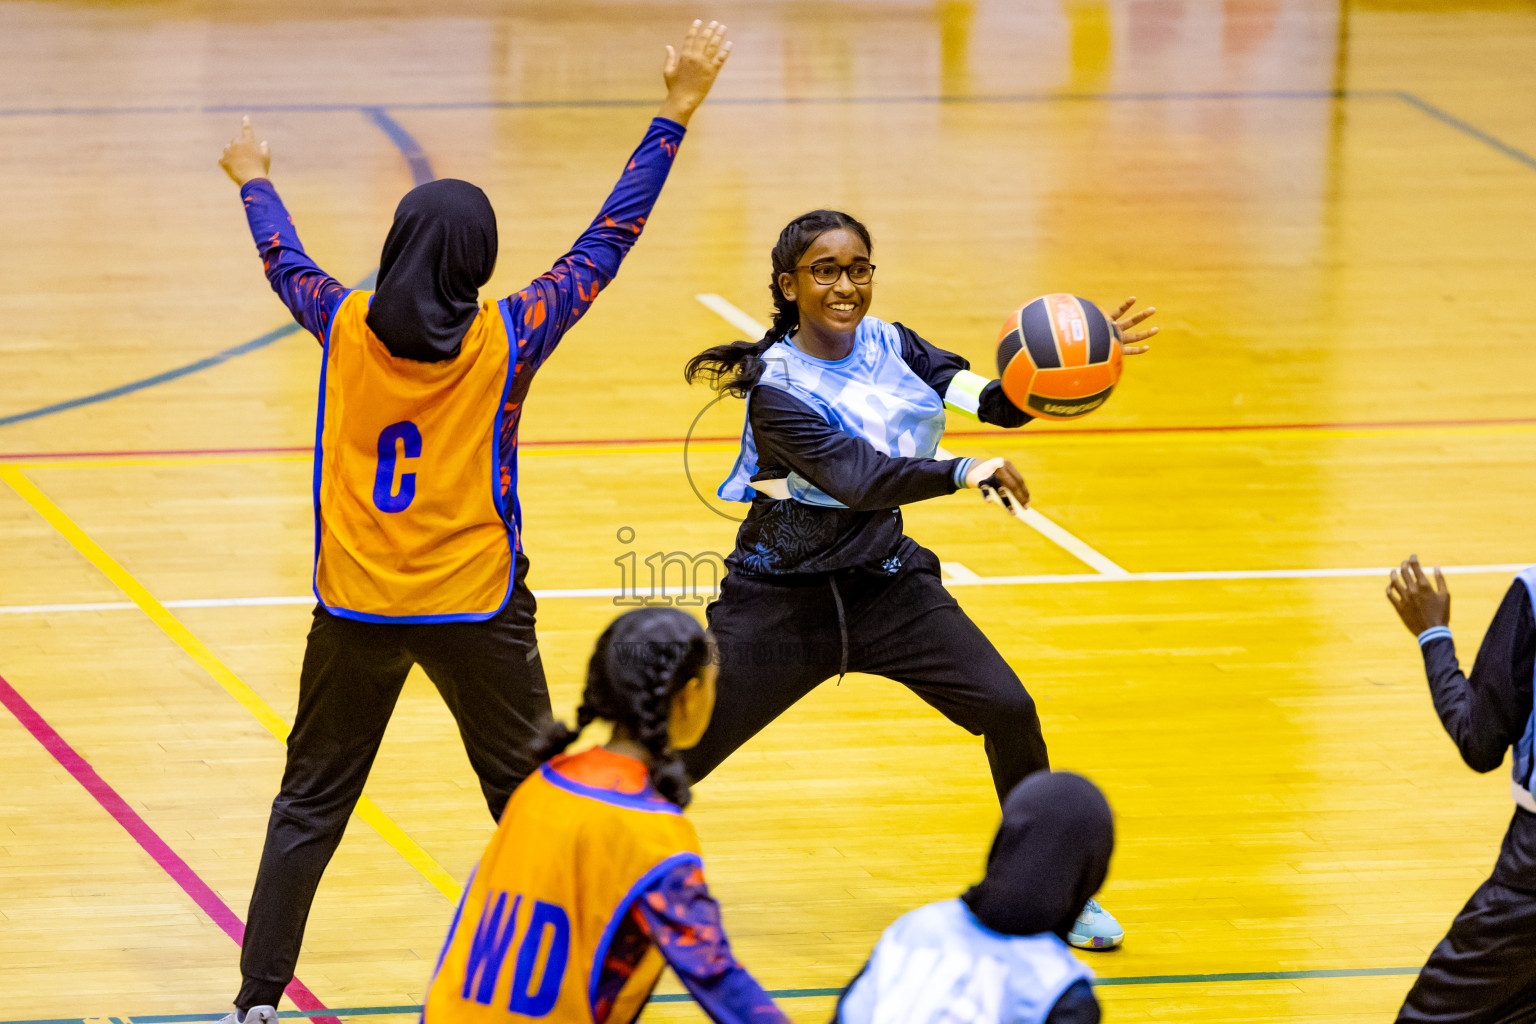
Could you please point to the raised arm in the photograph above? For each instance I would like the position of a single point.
(542, 312)
(1486, 713)
(310, 294)
(682, 918)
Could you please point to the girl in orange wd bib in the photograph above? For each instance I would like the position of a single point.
(593, 880)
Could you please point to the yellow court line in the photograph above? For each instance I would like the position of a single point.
(221, 673)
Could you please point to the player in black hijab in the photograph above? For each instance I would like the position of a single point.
(999, 951)
(440, 252)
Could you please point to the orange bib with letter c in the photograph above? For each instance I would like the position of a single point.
(410, 522)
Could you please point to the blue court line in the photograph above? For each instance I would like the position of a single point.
(421, 172)
(421, 169)
(405, 142)
(1468, 129)
(783, 993)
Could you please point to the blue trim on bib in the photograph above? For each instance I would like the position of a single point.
(500, 505)
(612, 927)
(654, 804)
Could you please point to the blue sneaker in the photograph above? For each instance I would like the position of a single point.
(1095, 928)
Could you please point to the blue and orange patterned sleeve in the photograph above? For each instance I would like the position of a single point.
(542, 312)
(679, 915)
(310, 294)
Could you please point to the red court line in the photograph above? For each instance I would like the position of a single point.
(146, 837)
(1038, 431)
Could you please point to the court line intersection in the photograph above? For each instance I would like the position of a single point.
(420, 168)
(214, 666)
(416, 157)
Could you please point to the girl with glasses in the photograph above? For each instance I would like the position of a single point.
(844, 416)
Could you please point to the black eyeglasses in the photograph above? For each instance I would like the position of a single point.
(859, 272)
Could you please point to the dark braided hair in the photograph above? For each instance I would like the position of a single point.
(733, 368)
(640, 662)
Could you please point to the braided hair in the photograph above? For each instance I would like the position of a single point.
(733, 368)
(639, 664)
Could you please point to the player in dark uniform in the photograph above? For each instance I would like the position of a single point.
(1484, 970)
(844, 415)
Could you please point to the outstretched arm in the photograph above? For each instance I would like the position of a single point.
(310, 294)
(542, 312)
(949, 374)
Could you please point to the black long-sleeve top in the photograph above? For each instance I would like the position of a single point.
(1486, 713)
(786, 537)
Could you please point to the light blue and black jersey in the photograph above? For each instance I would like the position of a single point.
(854, 439)
(939, 964)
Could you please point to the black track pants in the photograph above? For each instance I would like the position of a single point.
(1484, 970)
(490, 676)
(779, 641)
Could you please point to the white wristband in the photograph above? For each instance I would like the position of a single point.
(1434, 633)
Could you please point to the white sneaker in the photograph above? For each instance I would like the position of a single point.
(255, 1015)
(1095, 928)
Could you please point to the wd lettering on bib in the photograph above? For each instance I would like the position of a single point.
(410, 524)
(537, 920)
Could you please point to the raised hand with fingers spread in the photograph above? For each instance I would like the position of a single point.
(1123, 324)
(1419, 603)
(691, 71)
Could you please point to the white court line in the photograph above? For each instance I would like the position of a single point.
(1070, 544)
(958, 579)
(733, 315)
(958, 573)
(1051, 531)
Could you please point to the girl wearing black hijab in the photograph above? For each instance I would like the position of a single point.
(998, 954)
(418, 552)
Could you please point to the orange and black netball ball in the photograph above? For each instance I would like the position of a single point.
(1058, 357)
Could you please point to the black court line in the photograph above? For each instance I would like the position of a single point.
(783, 993)
(421, 168)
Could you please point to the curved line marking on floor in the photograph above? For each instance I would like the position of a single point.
(421, 172)
(421, 169)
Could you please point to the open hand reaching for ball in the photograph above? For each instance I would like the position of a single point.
(1123, 324)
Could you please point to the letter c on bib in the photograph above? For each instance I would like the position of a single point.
(384, 479)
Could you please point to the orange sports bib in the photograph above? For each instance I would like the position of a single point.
(409, 523)
(533, 929)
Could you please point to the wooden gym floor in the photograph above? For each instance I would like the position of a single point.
(1332, 207)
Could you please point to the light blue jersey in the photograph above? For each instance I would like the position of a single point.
(1524, 782)
(870, 393)
(939, 965)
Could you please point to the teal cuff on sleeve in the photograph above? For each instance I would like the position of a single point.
(964, 393)
(962, 467)
(1434, 633)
